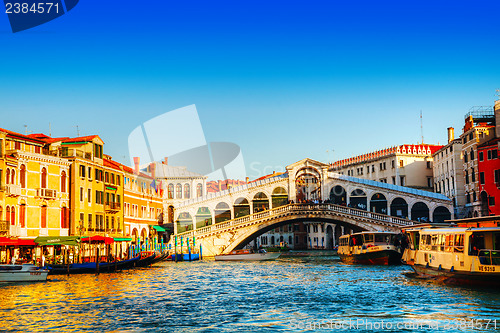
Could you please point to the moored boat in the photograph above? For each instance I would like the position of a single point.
(22, 273)
(91, 267)
(370, 248)
(248, 255)
(456, 255)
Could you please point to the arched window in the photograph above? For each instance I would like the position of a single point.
(187, 191)
(1, 213)
(170, 191)
(178, 191)
(13, 176)
(22, 176)
(65, 218)
(7, 214)
(13, 215)
(63, 182)
(44, 178)
(22, 215)
(7, 176)
(199, 190)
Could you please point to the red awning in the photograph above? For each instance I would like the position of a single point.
(4, 241)
(98, 239)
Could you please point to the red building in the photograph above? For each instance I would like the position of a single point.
(489, 177)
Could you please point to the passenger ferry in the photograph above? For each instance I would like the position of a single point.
(456, 255)
(371, 248)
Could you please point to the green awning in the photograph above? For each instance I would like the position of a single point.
(126, 239)
(158, 228)
(58, 240)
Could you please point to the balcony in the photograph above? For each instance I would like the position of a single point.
(112, 207)
(46, 193)
(65, 152)
(12, 190)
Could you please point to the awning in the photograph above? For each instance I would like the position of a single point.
(126, 239)
(5, 241)
(98, 239)
(58, 240)
(158, 228)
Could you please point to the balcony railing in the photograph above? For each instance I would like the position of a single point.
(112, 206)
(46, 193)
(12, 189)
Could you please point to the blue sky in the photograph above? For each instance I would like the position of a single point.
(284, 79)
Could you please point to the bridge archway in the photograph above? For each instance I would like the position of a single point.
(203, 217)
(260, 202)
(308, 184)
(279, 197)
(338, 195)
(222, 212)
(358, 199)
(420, 212)
(399, 208)
(441, 214)
(378, 203)
(184, 222)
(241, 207)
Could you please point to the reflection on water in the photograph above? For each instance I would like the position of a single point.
(209, 296)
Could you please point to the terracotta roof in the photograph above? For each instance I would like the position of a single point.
(20, 136)
(88, 138)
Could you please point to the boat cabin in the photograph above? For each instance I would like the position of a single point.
(368, 239)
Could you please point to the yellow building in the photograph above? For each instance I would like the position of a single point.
(34, 197)
(96, 187)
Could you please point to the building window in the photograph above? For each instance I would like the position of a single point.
(82, 171)
(81, 193)
(481, 156)
(466, 177)
(118, 181)
(89, 221)
(89, 195)
(481, 178)
(467, 198)
(43, 218)
(187, 191)
(471, 136)
(170, 191)
(393, 164)
(494, 154)
(472, 154)
(429, 166)
(465, 158)
(429, 182)
(497, 176)
(393, 180)
(474, 198)
(22, 215)
(44, 178)
(63, 182)
(199, 190)
(473, 175)
(64, 218)
(491, 201)
(402, 180)
(22, 176)
(401, 163)
(178, 191)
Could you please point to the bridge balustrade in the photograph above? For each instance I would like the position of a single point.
(298, 207)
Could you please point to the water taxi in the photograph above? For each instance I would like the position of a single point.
(370, 248)
(22, 273)
(248, 255)
(456, 255)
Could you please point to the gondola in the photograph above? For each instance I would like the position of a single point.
(91, 267)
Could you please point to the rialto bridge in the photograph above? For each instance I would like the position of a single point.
(223, 221)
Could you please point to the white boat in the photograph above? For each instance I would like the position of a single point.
(247, 255)
(22, 273)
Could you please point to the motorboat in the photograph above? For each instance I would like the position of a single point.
(22, 273)
(248, 255)
(371, 248)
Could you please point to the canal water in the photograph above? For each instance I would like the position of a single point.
(291, 294)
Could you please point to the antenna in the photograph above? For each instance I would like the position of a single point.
(77, 130)
(26, 130)
(50, 130)
(421, 127)
(498, 93)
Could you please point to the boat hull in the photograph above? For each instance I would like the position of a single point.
(90, 267)
(383, 257)
(185, 257)
(248, 257)
(27, 273)
(477, 279)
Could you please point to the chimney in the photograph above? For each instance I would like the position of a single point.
(152, 167)
(451, 134)
(220, 185)
(165, 161)
(247, 179)
(136, 165)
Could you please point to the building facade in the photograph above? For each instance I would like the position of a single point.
(448, 172)
(479, 128)
(405, 165)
